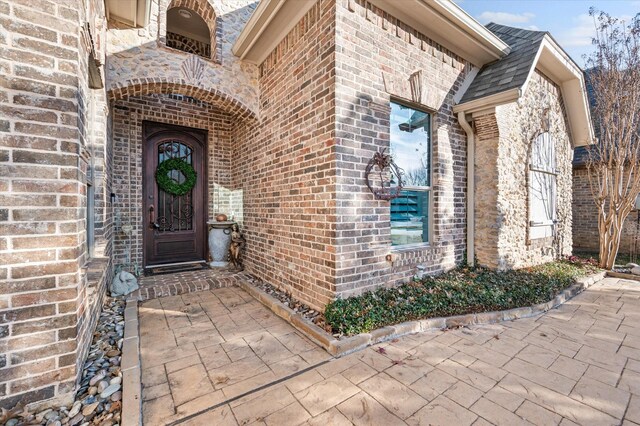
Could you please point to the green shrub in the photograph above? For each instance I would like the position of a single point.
(460, 291)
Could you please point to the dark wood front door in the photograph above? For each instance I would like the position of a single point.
(174, 226)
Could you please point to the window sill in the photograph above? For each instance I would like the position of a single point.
(540, 242)
(95, 268)
(214, 59)
(410, 247)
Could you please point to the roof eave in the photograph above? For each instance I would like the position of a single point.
(449, 25)
(557, 65)
(442, 20)
(269, 23)
(488, 102)
(554, 62)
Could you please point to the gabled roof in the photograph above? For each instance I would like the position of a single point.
(506, 56)
(505, 80)
(511, 71)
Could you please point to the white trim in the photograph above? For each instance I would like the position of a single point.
(466, 83)
(557, 65)
(488, 102)
(471, 188)
(162, 265)
(454, 28)
(534, 224)
(479, 30)
(136, 15)
(552, 61)
(268, 25)
(403, 248)
(447, 24)
(258, 22)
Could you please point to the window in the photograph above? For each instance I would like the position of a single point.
(411, 151)
(187, 31)
(542, 187)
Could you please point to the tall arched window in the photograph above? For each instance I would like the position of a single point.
(542, 187)
(187, 31)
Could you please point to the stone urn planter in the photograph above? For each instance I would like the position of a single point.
(219, 241)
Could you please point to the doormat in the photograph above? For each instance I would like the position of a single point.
(172, 269)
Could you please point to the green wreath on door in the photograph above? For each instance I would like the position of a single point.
(170, 186)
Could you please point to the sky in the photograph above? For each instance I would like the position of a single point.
(568, 21)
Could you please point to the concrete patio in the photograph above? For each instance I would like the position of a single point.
(219, 357)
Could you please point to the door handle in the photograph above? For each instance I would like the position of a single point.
(152, 220)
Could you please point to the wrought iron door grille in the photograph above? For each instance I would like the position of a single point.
(175, 212)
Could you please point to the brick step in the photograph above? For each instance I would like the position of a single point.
(165, 285)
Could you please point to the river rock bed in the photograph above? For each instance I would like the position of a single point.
(99, 399)
(298, 307)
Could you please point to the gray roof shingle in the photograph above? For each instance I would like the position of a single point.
(511, 71)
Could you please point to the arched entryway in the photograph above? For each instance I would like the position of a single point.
(153, 227)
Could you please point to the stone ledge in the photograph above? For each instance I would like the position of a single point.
(131, 368)
(347, 345)
(623, 276)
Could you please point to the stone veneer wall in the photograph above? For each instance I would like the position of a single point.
(128, 115)
(502, 158)
(285, 165)
(141, 53)
(376, 58)
(51, 137)
(585, 219)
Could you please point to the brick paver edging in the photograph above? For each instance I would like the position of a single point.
(347, 345)
(130, 365)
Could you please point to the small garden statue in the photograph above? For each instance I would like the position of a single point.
(237, 245)
(123, 283)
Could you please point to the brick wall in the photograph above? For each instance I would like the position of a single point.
(487, 217)
(46, 149)
(377, 57)
(585, 219)
(285, 166)
(128, 115)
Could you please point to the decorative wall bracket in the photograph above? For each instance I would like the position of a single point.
(384, 177)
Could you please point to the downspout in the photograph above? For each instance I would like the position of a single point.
(471, 196)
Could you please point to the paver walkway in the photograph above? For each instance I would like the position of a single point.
(579, 364)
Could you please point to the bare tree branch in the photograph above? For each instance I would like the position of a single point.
(613, 161)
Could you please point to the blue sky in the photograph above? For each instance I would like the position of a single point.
(567, 20)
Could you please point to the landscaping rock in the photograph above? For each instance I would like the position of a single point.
(298, 307)
(75, 409)
(98, 400)
(635, 270)
(110, 390)
(89, 409)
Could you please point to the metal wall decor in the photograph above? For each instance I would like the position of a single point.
(383, 176)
